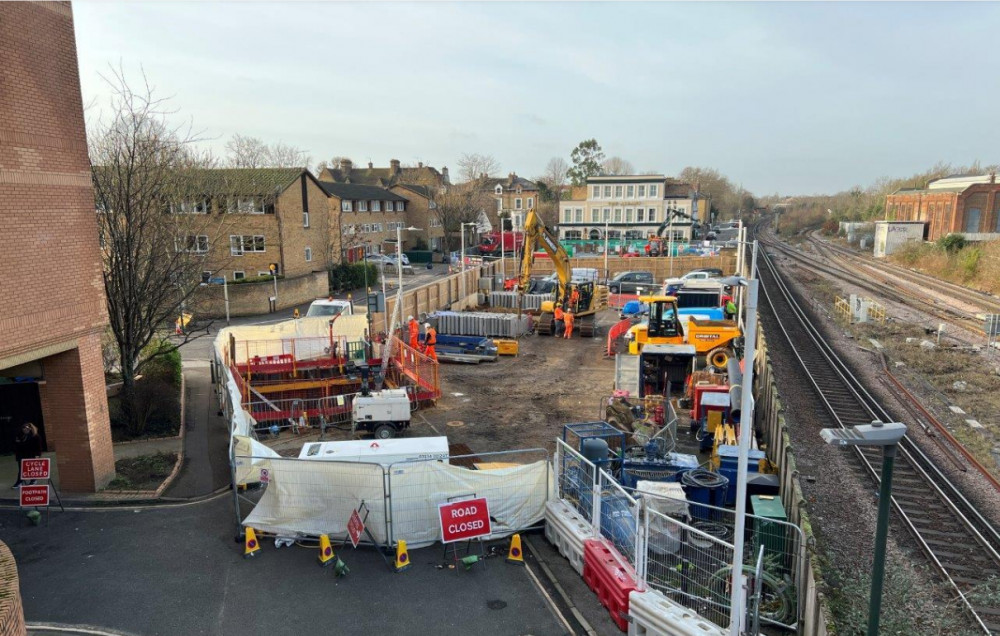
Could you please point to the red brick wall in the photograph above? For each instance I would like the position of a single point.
(52, 288)
(11, 611)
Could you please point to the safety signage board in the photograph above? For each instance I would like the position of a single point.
(265, 476)
(37, 468)
(34, 496)
(464, 520)
(355, 526)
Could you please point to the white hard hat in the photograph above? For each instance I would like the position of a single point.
(427, 325)
(409, 317)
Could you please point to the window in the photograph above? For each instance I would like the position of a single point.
(517, 204)
(498, 189)
(362, 206)
(595, 192)
(345, 206)
(614, 235)
(261, 274)
(653, 190)
(239, 275)
(400, 205)
(435, 222)
(618, 192)
(595, 215)
(309, 254)
(618, 215)
(642, 191)
(247, 205)
(639, 215)
(573, 235)
(378, 227)
(197, 244)
(197, 206)
(305, 218)
(518, 220)
(607, 214)
(630, 191)
(629, 215)
(240, 244)
(499, 205)
(607, 192)
(377, 206)
(652, 215)
(567, 215)
(531, 202)
(632, 235)
(579, 215)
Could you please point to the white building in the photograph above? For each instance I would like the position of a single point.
(631, 207)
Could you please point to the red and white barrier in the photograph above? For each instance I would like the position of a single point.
(617, 301)
(653, 614)
(566, 529)
(610, 576)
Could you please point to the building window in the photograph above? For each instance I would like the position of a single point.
(378, 227)
(531, 202)
(642, 191)
(567, 215)
(632, 235)
(197, 206)
(607, 192)
(309, 254)
(238, 275)
(630, 191)
(614, 235)
(629, 215)
(400, 205)
(498, 189)
(305, 218)
(196, 244)
(573, 235)
(247, 205)
(640, 215)
(618, 215)
(654, 191)
(377, 206)
(607, 215)
(345, 206)
(618, 192)
(517, 204)
(518, 221)
(595, 192)
(362, 206)
(261, 274)
(652, 215)
(595, 215)
(238, 245)
(972, 220)
(579, 215)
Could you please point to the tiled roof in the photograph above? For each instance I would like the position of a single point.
(357, 192)
(420, 190)
(383, 177)
(508, 183)
(242, 181)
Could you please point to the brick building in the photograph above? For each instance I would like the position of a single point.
(395, 174)
(514, 196)
(53, 314)
(365, 217)
(421, 212)
(962, 204)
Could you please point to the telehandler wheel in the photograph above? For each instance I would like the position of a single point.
(718, 358)
(385, 431)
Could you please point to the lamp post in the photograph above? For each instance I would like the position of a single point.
(887, 435)
(462, 259)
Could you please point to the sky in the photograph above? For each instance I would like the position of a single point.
(790, 98)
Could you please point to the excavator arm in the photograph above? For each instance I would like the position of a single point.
(535, 236)
(669, 219)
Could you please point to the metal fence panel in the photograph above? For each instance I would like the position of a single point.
(619, 516)
(575, 479)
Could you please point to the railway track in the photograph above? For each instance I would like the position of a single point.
(959, 542)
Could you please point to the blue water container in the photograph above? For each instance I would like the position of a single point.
(706, 488)
(729, 465)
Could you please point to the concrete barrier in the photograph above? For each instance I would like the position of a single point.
(653, 614)
(566, 529)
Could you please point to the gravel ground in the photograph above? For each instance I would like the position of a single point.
(843, 504)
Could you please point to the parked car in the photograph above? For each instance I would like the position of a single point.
(697, 274)
(386, 259)
(628, 282)
(714, 272)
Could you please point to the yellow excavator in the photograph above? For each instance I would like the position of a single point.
(713, 339)
(593, 297)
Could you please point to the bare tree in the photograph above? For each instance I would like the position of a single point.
(555, 175)
(253, 152)
(155, 225)
(332, 164)
(617, 166)
(473, 166)
(458, 206)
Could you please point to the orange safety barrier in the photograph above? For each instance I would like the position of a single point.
(421, 370)
(617, 301)
(617, 332)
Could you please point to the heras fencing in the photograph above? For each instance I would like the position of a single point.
(302, 497)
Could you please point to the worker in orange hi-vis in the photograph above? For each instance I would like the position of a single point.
(557, 328)
(568, 317)
(414, 333)
(430, 339)
(574, 300)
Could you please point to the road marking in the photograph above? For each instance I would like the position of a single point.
(565, 597)
(552, 603)
(424, 420)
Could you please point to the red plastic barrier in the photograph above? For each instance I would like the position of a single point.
(616, 332)
(610, 576)
(617, 301)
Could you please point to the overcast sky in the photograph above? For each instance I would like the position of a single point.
(781, 97)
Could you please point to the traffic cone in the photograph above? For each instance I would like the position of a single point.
(326, 555)
(515, 555)
(252, 545)
(402, 556)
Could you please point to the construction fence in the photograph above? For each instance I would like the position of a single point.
(661, 267)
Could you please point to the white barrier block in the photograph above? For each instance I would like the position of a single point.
(566, 529)
(653, 614)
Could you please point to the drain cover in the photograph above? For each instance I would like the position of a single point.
(455, 423)
(496, 604)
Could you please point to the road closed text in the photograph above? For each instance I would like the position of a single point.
(464, 520)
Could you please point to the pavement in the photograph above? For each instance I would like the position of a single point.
(176, 570)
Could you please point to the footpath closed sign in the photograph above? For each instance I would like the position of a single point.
(464, 520)
(34, 496)
(355, 526)
(35, 468)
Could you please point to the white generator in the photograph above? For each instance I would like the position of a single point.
(386, 452)
(383, 413)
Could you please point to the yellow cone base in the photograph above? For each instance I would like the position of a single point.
(326, 555)
(251, 545)
(402, 557)
(515, 554)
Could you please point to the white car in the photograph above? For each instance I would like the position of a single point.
(329, 307)
(386, 259)
(690, 276)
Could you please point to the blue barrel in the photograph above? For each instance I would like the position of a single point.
(706, 488)
(618, 524)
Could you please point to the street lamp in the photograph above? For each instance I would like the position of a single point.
(887, 435)
(462, 260)
(745, 395)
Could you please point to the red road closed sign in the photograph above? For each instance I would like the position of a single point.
(464, 520)
(35, 468)
(355, 526)
(34, 496)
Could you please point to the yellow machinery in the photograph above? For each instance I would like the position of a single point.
(711, 338)
(593, 297)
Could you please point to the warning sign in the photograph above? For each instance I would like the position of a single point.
(265, 476)
(34, 496)
(464, 520)
(35, 468)
(355, 526)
